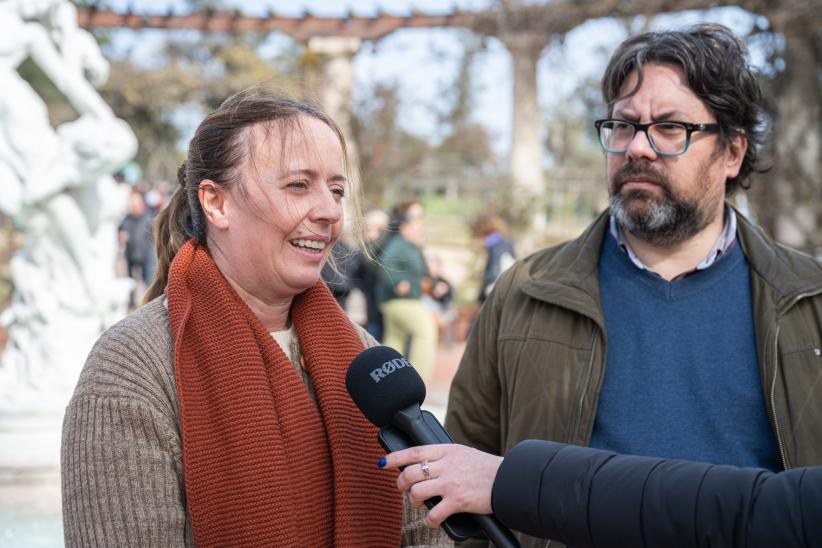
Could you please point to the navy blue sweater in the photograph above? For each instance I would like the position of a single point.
(682, 376)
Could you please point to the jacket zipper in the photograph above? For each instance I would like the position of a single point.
(777, 430)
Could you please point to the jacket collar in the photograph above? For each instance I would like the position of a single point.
(789, 274)
(568, 274)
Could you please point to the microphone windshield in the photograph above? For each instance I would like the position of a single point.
(381, 382)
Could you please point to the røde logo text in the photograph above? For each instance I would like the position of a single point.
(389, 367)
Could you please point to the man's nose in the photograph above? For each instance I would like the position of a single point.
(640, 147)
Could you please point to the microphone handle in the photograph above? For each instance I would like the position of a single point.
(496, 531)
(411, 421)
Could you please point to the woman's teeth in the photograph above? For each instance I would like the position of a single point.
(314, 245)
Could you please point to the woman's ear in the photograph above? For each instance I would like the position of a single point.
(212, 199)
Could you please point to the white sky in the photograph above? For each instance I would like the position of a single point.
(423, 61)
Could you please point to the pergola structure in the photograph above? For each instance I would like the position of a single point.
(525, 29)
(335, 40)
(302, 28)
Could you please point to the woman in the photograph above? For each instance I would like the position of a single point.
(409, 325)
(217, 413)
(589, 497)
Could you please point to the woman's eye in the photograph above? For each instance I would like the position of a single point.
(338, 191)
(298, 184)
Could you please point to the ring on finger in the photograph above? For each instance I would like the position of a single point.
(426, 470)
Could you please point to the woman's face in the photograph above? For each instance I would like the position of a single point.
(286, 213)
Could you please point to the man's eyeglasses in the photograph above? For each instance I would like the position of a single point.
(667, 138)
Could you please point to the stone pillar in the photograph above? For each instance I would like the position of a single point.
(526, 132)
(335, 55)
(794, 181)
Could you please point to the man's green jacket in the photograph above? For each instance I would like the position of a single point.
(534, 364)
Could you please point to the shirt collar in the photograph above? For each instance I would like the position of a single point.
(722, 245)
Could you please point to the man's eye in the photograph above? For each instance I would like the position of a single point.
(669, 128)
(621, 128)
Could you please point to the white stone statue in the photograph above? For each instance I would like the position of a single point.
(56, 184)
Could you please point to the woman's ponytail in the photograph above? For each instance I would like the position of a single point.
(171, 230)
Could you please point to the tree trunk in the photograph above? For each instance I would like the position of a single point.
(791, 200)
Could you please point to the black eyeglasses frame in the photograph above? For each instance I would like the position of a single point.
(689, 129)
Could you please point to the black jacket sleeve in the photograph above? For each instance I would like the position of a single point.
(587, 497)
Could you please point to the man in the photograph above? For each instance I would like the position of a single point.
(672, 327)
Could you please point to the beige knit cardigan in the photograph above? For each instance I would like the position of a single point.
(121, 458)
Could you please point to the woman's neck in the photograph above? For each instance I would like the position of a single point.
(272, 311)
(274, 315)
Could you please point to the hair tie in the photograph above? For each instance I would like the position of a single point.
(181, 174)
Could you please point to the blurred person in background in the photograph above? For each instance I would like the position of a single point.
(154, 200)
(409, 326)
(340, 272)
(135, 234)
(438, 296)
(367, 275)
(491, 228)
(217, 413)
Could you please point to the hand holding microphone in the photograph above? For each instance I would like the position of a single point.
(389, 391)
(462, 476)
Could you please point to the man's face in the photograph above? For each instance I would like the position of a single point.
(668, 200)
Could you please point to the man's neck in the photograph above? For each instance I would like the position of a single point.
(672, 260)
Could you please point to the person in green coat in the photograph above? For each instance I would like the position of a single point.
(409, 325)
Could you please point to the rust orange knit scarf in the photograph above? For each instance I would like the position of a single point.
(264, 465)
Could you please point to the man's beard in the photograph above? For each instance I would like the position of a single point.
(661, 220)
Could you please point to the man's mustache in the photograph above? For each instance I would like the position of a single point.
(632, 170)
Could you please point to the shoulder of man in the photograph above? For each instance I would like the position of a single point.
(786, 269)
(580, 254)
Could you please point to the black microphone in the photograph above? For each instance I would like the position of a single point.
(388, 391)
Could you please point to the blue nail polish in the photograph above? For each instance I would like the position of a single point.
(382, 462)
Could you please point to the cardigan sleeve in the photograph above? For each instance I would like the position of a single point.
(121, 475)
(121, 455)
(587, 497)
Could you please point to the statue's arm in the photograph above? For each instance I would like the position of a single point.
(70, 81)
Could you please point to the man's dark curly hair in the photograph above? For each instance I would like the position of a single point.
(717, 66)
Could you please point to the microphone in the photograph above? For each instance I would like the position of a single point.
(388, 391)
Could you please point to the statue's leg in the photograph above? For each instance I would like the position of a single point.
(72, 226)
